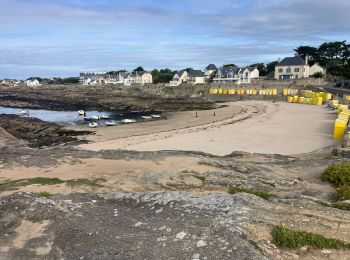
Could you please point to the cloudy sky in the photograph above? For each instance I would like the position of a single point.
(63, 37)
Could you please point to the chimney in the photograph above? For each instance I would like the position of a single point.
(307, 60)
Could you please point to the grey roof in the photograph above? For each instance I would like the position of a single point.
(140, 73)
(229, 70)
(211, 67)
(195, 73)
(192, 73)
(251, 68)
(292, 61)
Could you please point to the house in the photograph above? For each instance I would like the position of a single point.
(316, 68)
(227, 74)
(292, 68)
(210, 70)
(32, 83)
(92, 78)
(143, 77)
(113, 77)
(247, 74)
(188, 76)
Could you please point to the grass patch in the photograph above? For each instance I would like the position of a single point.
(202, 178)
(10, 185)
(190, 171)
(285, 237)
(339, 176)
(261, 194)
(45, 194)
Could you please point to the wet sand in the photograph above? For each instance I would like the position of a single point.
(250, 126)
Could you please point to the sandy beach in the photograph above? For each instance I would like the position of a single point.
(250, 126)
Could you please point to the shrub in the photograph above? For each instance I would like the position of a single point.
(45, 194)
(285, 237)
(261, 194)
(339, 175)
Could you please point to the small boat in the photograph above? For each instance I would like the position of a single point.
(156, 116)
(81, 112)
(128, 121)
(23, 113)
(87, 119)
(105, 117)
(93, 125)
(111, 123)
(95, 118)
(146, 117)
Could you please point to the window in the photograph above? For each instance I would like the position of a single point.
(296, 70)
(289, 70)
(280, 70)
(246, 74)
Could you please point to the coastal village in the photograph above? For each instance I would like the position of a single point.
(287, 69)
(246, 161)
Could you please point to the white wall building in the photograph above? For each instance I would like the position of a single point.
(247, 74)
(317, 68)
(188, 76)
(292, 68)
(143, 77)
(32, 83)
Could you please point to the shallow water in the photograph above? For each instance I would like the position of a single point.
(72, 117)
(65, 117)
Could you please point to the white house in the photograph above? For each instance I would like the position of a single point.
(210, 70)
(292, 68)
(32, 83)
(143, 77)
(317, 68)
(188, 76)
(247, 74)
(227, 74)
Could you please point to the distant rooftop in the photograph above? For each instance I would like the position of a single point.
(292, 61)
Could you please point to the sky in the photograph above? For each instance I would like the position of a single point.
(49, 38)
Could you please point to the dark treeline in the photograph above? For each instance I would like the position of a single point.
(334, 56)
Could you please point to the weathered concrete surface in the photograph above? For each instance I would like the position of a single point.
(127, 226)
(160, 225)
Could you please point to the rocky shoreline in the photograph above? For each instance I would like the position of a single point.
(37, 132)
(104, 98)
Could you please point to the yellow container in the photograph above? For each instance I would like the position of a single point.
(215, 91)
(301, 100)
(231, 91)
(285, 92)
(290, 99)
(274, 92)
(225, 91)
(342, 107)
(220, 91)
(295, 99)
(255, 91)
(210, 91)
(339, 129)
(319, 101)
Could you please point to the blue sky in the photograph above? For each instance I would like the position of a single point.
(63, 37)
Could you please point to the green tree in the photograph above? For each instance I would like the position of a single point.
(318, 75)
(229, 65)
(270, 66)
(139, 68)
(309, 51)
(261, 67)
